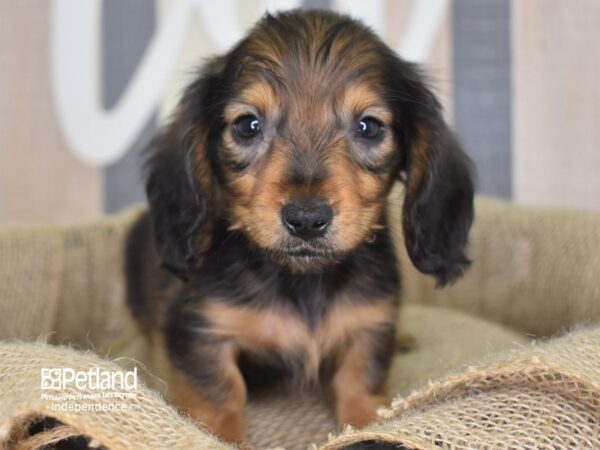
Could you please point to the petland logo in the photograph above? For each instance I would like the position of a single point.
(94, 379)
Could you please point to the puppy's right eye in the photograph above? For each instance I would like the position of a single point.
(369, 128)
(247, 128)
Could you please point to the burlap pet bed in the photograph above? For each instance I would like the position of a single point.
(280, 419)
(534, 270)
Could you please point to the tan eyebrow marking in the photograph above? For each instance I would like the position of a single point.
(360, 99)
(258, 98)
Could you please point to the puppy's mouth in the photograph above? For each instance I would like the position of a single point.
(306, 257)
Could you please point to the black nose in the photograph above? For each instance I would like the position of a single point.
(307, 219)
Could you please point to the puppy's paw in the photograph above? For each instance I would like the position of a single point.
(358, 410)
(230, 428)
(226, 426)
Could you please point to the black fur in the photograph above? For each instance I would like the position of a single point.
(193, 240)
(178, 207)
(437, 211)
(244, 276)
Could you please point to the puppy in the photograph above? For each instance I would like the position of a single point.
(267, 196)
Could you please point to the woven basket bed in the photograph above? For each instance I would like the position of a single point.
(508, 357)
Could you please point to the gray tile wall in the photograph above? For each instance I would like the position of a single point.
(127, 26)
(481, 84)
(482, 89)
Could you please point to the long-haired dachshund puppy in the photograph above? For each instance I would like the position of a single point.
(267, 196)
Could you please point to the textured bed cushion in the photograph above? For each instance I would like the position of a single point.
(444, 341)
(534, 270)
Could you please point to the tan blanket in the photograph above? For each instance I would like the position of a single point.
(533, 270)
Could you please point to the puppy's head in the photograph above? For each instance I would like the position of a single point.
(295, 137)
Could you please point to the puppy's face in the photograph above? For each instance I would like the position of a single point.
(307, 160)
(296, 137)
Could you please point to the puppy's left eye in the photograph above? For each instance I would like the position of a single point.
(369, 128)
(247, 128)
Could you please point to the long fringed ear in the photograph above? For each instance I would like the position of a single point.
(438, 203)
(180, 185)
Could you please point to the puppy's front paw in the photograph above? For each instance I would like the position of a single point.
(224, 419)
(227, 426)
(358, 410)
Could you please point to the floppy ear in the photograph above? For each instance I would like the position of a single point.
(438, 203)
(179, 181)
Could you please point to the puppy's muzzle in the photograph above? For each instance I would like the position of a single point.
(307, 219)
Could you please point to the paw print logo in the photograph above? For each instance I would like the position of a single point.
(51, 379)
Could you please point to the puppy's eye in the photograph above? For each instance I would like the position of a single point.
(369, 128)
(247, 127)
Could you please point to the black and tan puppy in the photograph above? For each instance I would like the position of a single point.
(267, 197)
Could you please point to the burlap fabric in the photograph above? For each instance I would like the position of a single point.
(534, 269)
(541, 397)
(65, 285)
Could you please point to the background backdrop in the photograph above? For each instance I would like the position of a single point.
(85, 83)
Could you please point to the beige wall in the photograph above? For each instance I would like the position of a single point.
(555, 105)
(556, 101)
(39, 178)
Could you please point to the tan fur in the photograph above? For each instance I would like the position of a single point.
(257, 330)
(224, 419)
(204, 177)
(255, 199)
(360, 97)
(259, 97)
(357, 196)
(347, 319)
(354, 404)
(421, 162)
(254, 329)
